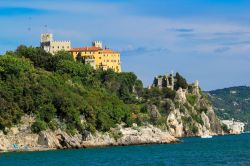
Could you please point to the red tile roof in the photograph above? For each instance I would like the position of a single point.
(93, 48)
(108, 51)
(85, 49)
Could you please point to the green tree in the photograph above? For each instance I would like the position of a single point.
(38, 56)
(10, 114)
(180, 82)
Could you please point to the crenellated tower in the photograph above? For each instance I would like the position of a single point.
(51, 46)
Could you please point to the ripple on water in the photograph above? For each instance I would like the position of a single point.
(222, 150)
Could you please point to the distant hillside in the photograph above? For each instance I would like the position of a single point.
(232, 102)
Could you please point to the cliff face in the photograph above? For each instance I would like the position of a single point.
(187, 112)
(63, 96)
(192, 115)
(21, 138)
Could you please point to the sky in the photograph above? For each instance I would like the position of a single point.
(205, 40)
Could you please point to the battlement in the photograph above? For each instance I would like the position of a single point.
(46, 37)
(52, 46)
(97, 44)
(62, 41)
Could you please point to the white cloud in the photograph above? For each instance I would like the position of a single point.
(179, 44)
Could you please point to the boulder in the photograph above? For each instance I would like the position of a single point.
(154, 112)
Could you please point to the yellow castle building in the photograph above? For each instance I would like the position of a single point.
(98, 57)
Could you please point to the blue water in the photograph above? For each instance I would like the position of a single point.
(221, 150)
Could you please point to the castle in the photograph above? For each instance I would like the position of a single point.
(166, 81)
(169, 81)
(98, 57)
(51, 46)
(95, 55)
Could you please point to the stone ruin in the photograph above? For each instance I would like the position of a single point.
(166, 81)
(169, 81)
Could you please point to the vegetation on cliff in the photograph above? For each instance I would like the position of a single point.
(62, 93)
(56, 87)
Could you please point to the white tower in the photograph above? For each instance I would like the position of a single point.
(46, 39)
(97, 44)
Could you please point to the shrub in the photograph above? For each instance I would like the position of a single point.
(10, 114)
(13, 66)
(204, 109)
(180, 82)
(76, 69)
(182, 109)
(169, 93)
(193, 128)
(38, 126)
(225, 128)
(116, 135)
(128, 120)
(46, 112)
(197, 118)
(104, 122)
(144, 108)
(191, 99)
(160, 121)
(38, 56)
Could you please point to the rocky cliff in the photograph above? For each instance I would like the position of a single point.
(180, 112)
(187, 112)
(55, 102)
(192, 115)
(21, 138)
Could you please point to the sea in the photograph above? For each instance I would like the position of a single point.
(231, 150)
